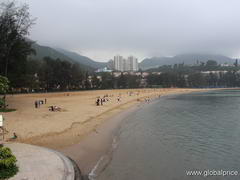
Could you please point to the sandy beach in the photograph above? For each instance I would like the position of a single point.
(79, 114)
(81, 130)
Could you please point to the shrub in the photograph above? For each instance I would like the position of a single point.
(3, 106)
(2, 102)
(8, 167)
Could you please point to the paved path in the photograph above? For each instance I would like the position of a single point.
(37, 163)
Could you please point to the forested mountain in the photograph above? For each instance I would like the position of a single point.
(188, 59)
(82, 59)
(44, 51)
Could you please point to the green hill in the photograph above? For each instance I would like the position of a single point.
(189, 59)
(45, 51)
(82, 59)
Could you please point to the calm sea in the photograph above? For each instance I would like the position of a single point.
(169, 137)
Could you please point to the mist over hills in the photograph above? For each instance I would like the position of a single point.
(45, 51)
(82, 59)
(85, 62)
(184, 58)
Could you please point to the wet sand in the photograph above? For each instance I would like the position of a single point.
(98, 145)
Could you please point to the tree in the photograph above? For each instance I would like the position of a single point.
(77, 76)
(122, 81)
(87, 83)
(133, 81)
(108, 81)
(3, 84)
(211, 63)
(3, 90)
(181, 81)
(15, 22)
(95, 82)
(153, 79)
(197, 80)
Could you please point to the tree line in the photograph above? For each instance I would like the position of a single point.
(60, 75)
(209, 74)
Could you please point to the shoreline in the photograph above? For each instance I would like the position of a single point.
(180, 104)
(98, 145)
(83, 140)
(80, 115)
(94, 152)
(55, 140)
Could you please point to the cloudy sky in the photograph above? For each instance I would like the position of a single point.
(144, 28)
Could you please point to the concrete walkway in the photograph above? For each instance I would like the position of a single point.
(37, 163)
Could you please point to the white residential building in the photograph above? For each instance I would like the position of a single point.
(129, 64)
(133, 63)
(118, 62)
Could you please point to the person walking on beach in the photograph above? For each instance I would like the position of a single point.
(118, 99)
(97, 102)
(39, 103)
(36, 104)
(45, 101)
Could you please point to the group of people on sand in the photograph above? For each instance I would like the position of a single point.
(38, 103)
(100, 101)
(131, 93)
(54, 108)
(147, 99)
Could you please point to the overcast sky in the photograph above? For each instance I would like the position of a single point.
(100, 29)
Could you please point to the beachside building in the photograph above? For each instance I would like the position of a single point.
(105, 69)
(117, 74)
(226, 65)
(214, 72)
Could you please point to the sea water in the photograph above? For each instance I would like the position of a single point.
(188, 136)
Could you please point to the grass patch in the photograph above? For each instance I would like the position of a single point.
(7, 110)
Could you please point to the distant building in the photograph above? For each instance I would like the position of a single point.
(213, 72)
(105, 69)
(236, 63)
(226, 65)
(129, 64)
(156, 73)
(118, 63)
(145, 74)
(133, 63)
(117, 74)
